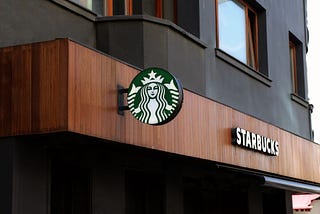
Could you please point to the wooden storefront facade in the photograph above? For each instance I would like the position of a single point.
(61, 85)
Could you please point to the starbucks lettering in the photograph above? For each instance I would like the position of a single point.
(249, 140)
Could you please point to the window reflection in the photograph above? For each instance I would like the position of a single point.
(232, 29)
(96, 6)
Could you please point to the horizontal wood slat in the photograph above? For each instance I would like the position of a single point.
(62, 85)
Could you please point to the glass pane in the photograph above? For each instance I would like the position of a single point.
(232, 29)
(93, 5)
(84, 3)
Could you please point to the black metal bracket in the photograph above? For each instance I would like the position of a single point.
(121, 106)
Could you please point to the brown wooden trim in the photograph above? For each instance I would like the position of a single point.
(109, 11)
(256, 31)
(63, 86)
(159, 8)
(175, 11)
(293, 66)
(128, 7)
(202, 129)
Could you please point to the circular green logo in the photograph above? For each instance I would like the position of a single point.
(155, 96)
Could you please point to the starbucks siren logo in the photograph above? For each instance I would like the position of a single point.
(155, 96)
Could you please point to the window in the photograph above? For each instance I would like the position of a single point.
(96, 6)
(293, 67)
(119, 7)
(237, 31)
(177, 11)
(130, 7)
(296, 66)
(125, 7)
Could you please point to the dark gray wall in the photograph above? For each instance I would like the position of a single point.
(122, 39)
(24, 21)
(144, 41)
(166, 45)
(147, 42)
(108, 195)
(273, 104)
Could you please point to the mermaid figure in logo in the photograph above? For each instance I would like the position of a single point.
(153, 106)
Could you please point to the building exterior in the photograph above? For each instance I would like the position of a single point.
(242, 141)
(305, 203)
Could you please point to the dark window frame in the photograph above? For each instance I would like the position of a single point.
(293, 66)
(129, 8)
(167, 10)
(297, 67)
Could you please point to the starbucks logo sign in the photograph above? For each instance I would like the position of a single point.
(155, 96)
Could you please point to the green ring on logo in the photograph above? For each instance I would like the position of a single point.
(155, 96)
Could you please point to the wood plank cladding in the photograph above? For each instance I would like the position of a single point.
(33, 86)
(63, 86)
